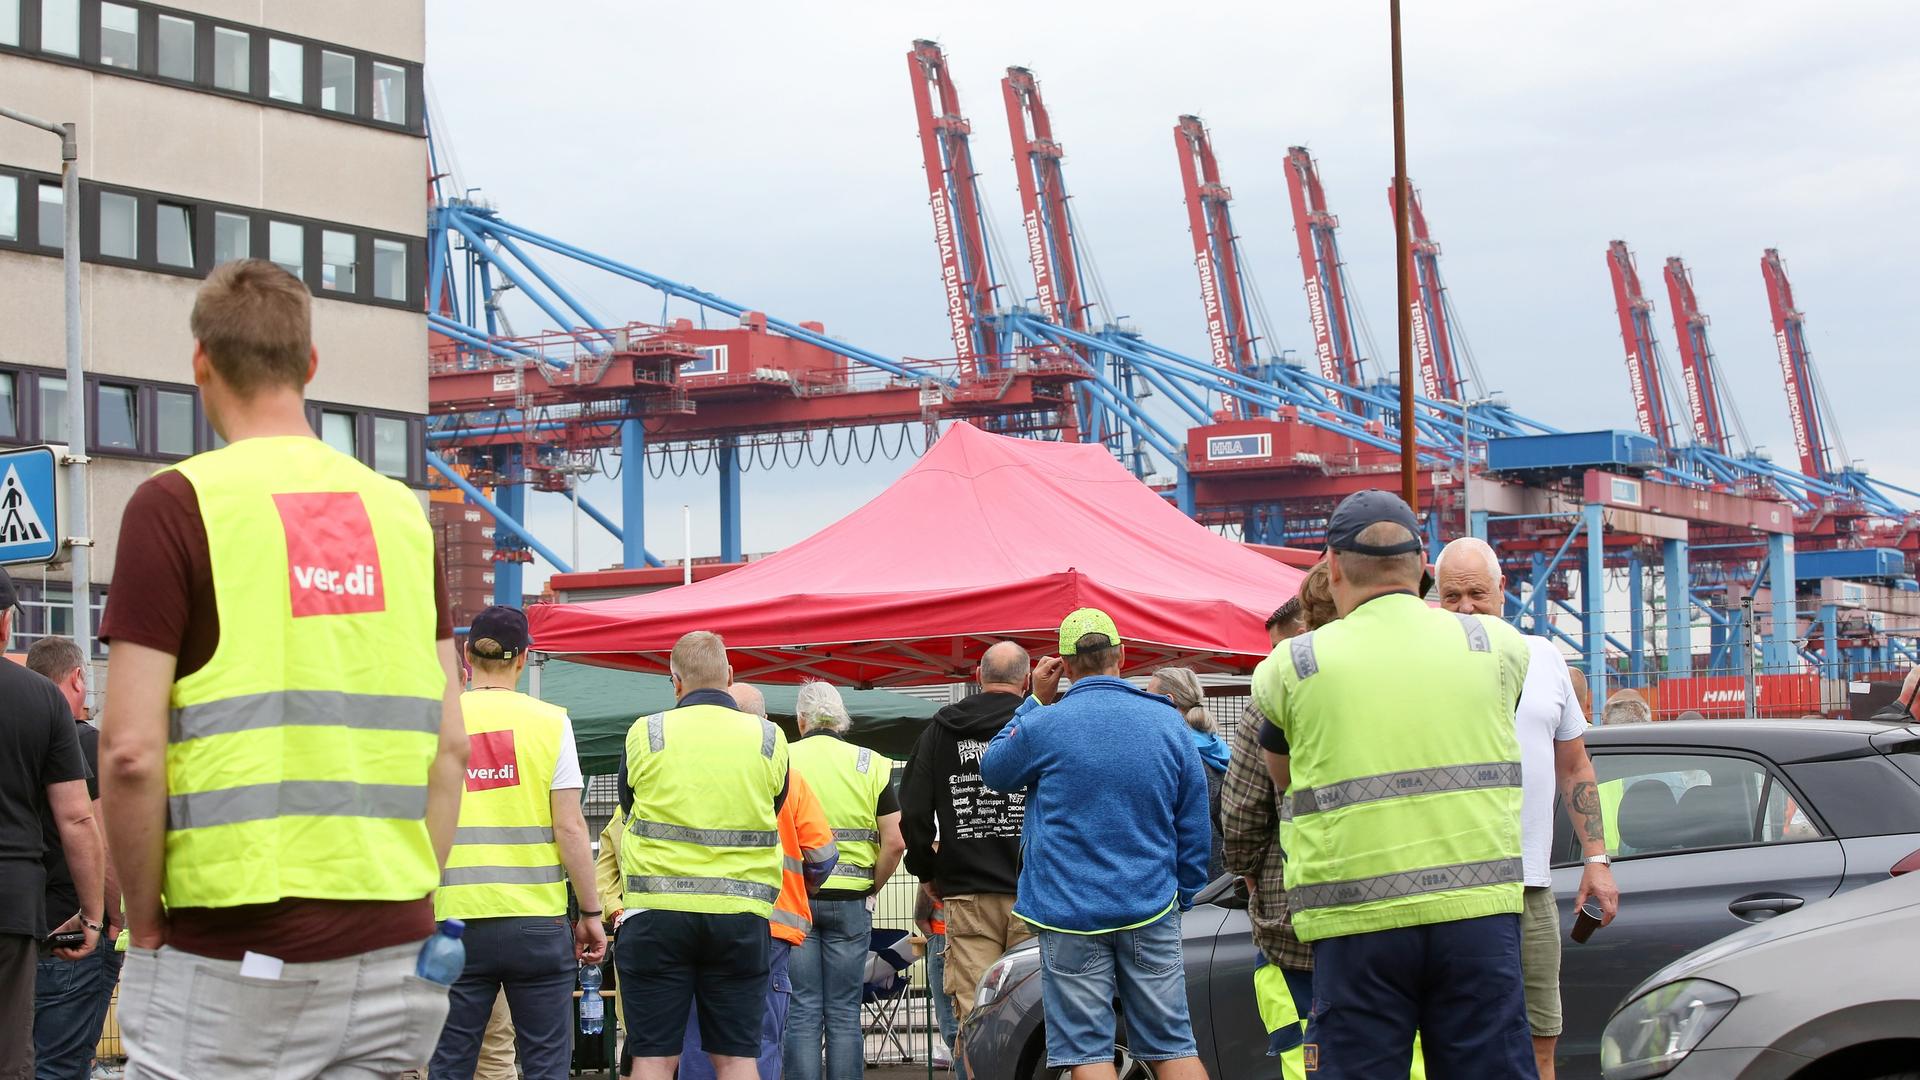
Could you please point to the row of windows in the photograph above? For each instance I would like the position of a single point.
(150, 231)
(165, 45)
(46, 610)
(164, 422)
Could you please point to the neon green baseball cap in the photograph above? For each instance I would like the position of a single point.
(1086, 621)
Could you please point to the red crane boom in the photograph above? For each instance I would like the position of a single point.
(958, 227)
(1432, 339)
(1706, 405)
(1643, 349)
(1043, 202)
(1230, 336)
(1315, 228)
(1804, 403)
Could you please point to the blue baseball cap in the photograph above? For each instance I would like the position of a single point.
(1364, 509)
(506, 626)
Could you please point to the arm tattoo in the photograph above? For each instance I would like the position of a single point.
(1585, 800)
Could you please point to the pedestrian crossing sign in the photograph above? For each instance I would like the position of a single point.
(29, 505)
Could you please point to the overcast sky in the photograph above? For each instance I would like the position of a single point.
(768, 152)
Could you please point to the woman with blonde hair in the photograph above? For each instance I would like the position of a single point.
(1182, 687)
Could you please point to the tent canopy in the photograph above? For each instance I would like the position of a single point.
(987, 537)
(604, 703)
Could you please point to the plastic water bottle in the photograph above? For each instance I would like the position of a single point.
(442, 957)
(593, 1008)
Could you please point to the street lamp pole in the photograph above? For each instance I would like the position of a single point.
(79, 542)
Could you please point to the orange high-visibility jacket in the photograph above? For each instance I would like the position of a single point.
(805, 839)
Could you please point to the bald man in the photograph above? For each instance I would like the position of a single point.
(1551, 724)
(963, 840)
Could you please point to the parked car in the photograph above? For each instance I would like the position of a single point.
(1714, 824)
(1825, 993)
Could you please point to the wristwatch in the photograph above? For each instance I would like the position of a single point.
(1602, 859)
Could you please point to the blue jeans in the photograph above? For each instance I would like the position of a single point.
(942, 1004)
(533, 960)
(70, 999)
(828, 971)
(1082, 974)
(1372, 991)
(694, 1062)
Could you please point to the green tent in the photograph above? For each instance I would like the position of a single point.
(604, 702)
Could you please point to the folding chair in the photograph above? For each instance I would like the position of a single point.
(889, 957)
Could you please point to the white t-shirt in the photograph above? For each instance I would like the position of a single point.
(566, 771)
(1548, 713)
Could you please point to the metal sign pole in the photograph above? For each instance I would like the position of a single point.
(1747, 638)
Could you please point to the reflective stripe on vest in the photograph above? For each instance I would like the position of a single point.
(703, 834)
(1406, 883)
(822, 854)
(848, 780)
(1303, 801)
(297, 756)
(1438, 691)
(505, 862)
(783, 917)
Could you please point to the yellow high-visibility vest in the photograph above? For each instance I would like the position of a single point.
(848, 780)
(297, 758)
(1404, 807)
(703, 834)
(504, 860)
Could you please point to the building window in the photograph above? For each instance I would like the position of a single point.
(9, 406)
(232, 57)
(336, 260)
(287, 245)
(390, 270)
(118, 419)
(173, 235)
(53, 221)
(119, 225)
(175, 37)
(173, 423)
(232, 237)
(336, 81)
(60, 27)
(10, 22)
(390, 447)
(53, 408)
(336, 430)
(286, 71)
(119, 36)
(389, 93)
(9, 205)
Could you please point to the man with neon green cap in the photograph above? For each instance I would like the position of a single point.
(1116, 840)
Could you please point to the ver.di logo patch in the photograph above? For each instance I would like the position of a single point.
(491, 761)
(333, 563)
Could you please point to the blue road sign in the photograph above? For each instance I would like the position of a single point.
(29, 506)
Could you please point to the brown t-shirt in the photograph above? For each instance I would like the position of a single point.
(162, 598)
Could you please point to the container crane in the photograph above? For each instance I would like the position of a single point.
(1644, 368)
(966, 273)
(1806, 403)
(1316, 230)
(1440, 375)
(1716, 423)
(1216, 255)
(1044, 220)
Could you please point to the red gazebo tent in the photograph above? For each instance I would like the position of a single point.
(986, 538)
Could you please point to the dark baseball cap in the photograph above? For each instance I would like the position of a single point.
(1363, 509)
(506, 625)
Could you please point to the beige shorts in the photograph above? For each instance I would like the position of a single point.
(1540, 961)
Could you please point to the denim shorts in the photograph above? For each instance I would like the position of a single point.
(1082, 974)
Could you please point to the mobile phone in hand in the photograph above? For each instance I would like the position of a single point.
(71, 939)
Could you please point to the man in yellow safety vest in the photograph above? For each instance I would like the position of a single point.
(702, 788)
(282, 753)
(521, 837)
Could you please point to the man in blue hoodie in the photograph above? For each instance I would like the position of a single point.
(1114, 847)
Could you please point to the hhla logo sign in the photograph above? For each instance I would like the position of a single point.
(333, 563)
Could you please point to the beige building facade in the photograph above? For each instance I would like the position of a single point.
(208, 130)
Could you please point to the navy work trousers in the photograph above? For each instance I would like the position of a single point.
(1456, 983)
(533, 959)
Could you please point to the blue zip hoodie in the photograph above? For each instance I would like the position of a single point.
(1116, 829)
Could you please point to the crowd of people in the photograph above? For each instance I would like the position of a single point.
(296, 795)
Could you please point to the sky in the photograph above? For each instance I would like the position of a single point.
(768, 152)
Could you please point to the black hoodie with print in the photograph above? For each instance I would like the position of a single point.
(943, 800)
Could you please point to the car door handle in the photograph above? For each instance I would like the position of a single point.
(1756, 908)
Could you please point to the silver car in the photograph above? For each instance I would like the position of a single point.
(1825, 992)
